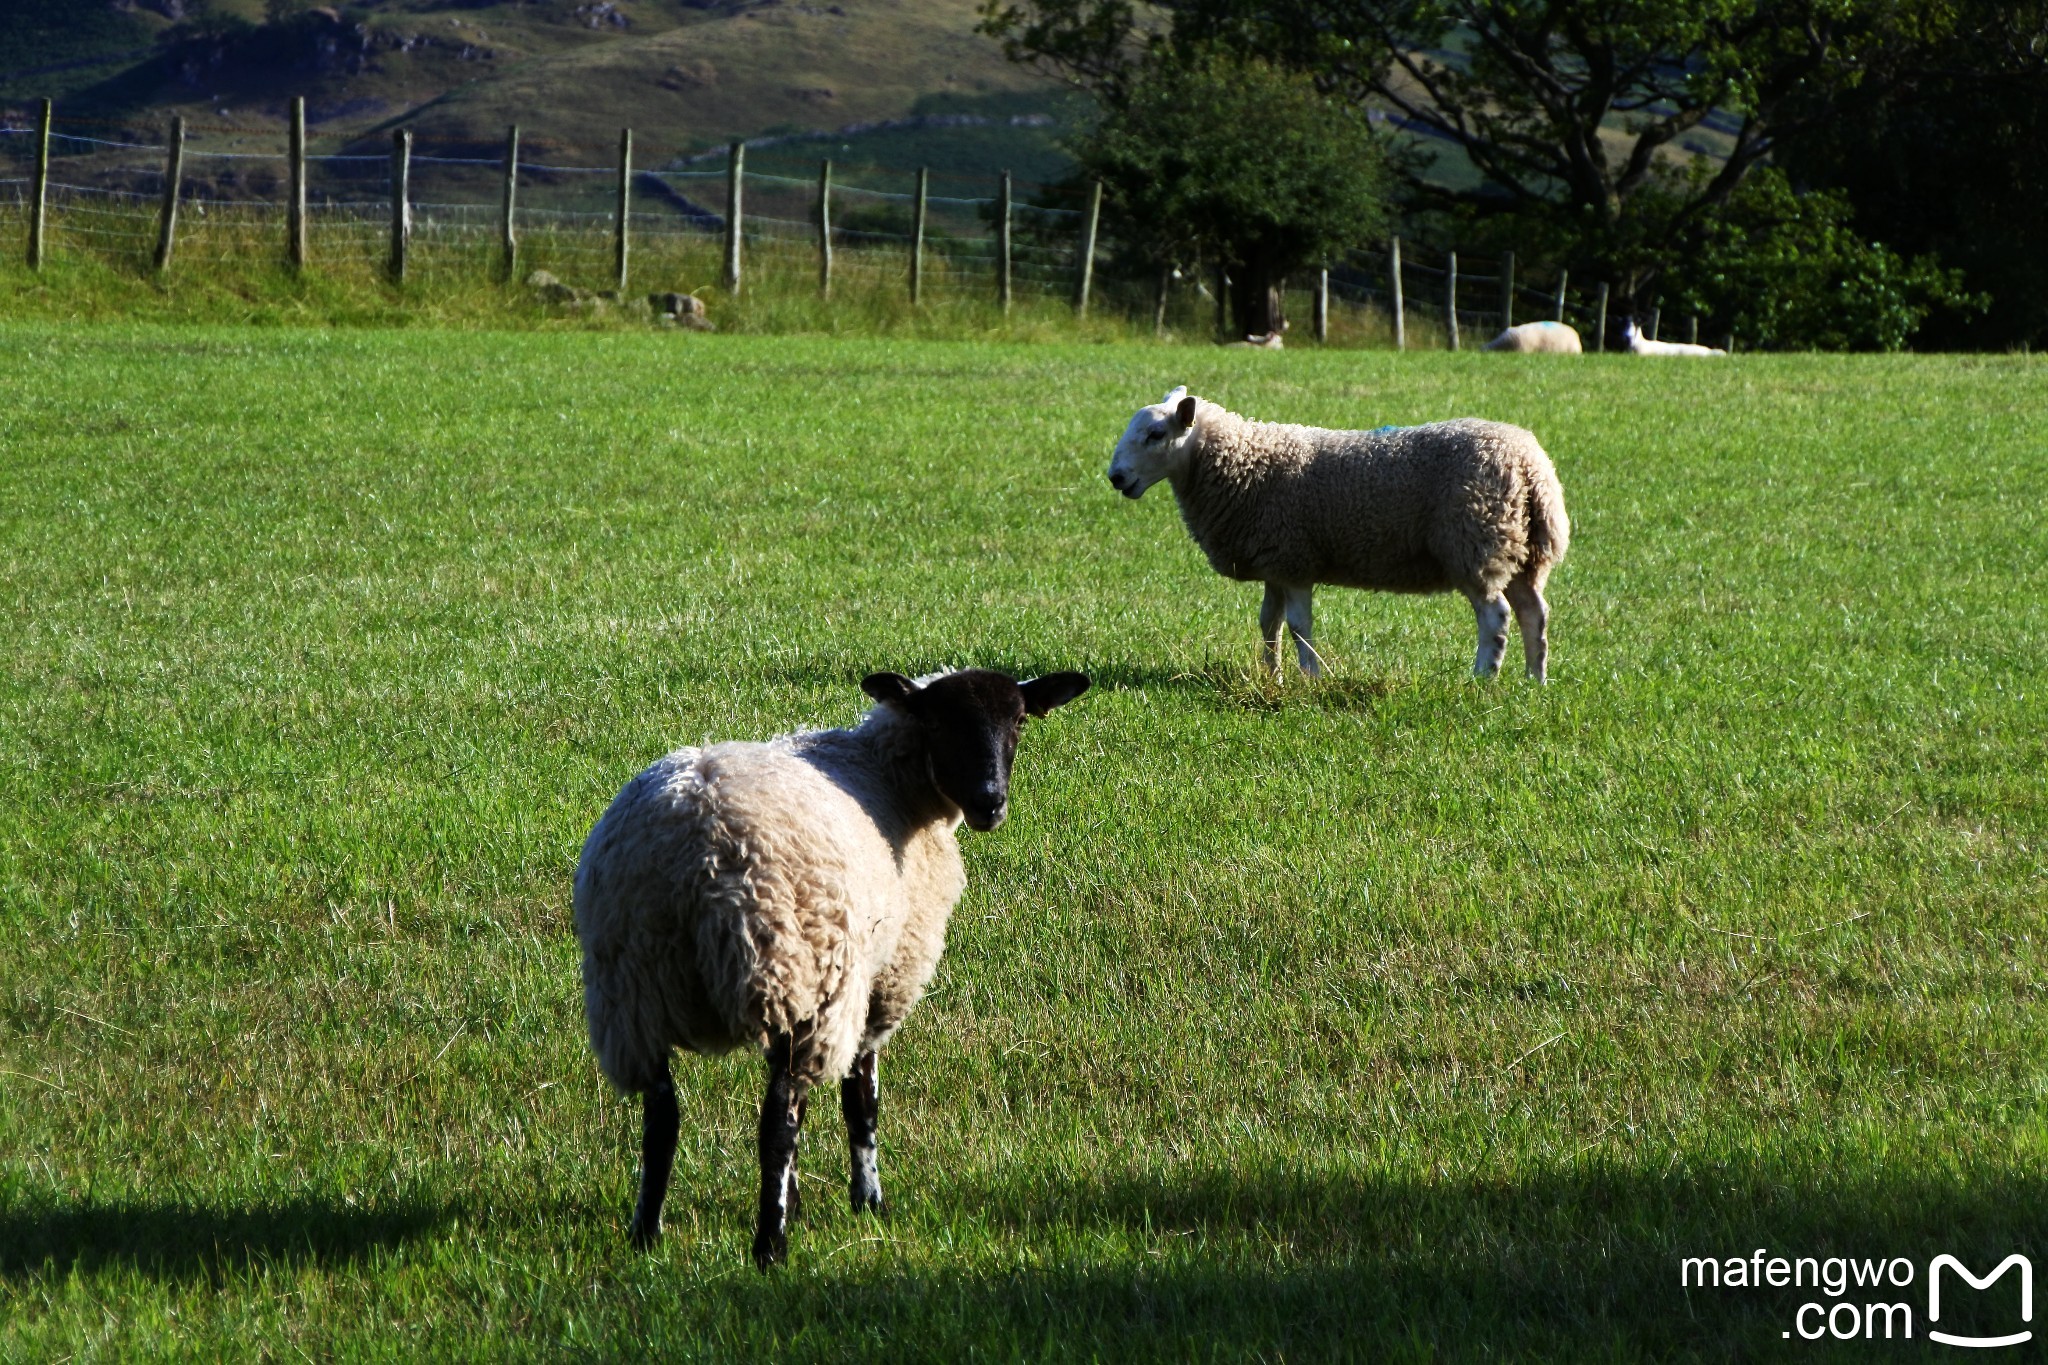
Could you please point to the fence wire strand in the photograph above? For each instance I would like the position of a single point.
(232, 210)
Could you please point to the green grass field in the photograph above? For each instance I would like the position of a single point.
(1394, 1017)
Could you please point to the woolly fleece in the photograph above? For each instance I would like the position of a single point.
(1554, 338)
(1464, 504)
(746, 889)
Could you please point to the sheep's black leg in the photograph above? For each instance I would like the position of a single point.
(782, 1116)
(795, 1198)
(658, 1124)
(860, 1097)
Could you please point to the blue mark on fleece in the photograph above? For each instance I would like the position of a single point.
(1381, 431)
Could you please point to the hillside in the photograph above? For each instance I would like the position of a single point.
(686, 77)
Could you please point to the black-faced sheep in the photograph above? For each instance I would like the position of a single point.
(793, 895)
(1467, 505)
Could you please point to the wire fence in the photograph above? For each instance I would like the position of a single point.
(601, 226)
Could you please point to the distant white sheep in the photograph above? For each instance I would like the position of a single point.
(1632, 337)
(1468, 505)
(792, 895)
(1553, 337)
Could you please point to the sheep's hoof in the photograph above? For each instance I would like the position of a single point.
(869, 1201)
(770, 1248)
(643, 1235)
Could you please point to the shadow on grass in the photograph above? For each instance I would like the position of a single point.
(1239, 1265)
(1234, 686)
(187, 1241)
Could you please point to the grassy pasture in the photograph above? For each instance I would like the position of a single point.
(1395, 1017)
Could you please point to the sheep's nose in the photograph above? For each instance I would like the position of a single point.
(1116, 480)
(989, 817)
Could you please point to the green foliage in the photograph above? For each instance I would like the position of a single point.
(1786, 271)
(1396, 1017)
(1952, 164)
(1236, 161)
(1579, 121)
(1214, 158)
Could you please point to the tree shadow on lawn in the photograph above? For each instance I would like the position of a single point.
(1223, 685)
(173, 1240)
(1573, 1266)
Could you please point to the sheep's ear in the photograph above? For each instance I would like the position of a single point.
(1184, 415)
(1179, 393)
(1054, 689)
(888, 687)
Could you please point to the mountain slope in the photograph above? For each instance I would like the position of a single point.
(684, 77)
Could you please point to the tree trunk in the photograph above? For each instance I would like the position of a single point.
(1255, 299)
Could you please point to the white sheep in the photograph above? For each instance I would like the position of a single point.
(1637, 344)
(1468, 505)
(1556, 338)
(791, 894)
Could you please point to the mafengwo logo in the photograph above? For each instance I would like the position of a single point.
(1872, 1299)
(2012, 1262)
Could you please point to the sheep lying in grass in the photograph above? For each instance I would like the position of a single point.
(794, 895)
(1470, 505)
(1553, 337)
(1632, 337)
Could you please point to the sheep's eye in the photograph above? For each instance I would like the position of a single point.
(1156, 434)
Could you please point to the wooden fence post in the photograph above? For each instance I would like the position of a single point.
(1600, 324)
(735, 173)
(1451, 301)
(1159, 299)
(1507, 290)
(1088, 227)
(825, 229)
(1322, 309)
(1728, 343)
(621, 238)
(1564, 279)
(924, 175)
(1003, 244)
(39, 202)
(1654, 317)
(1692, 329)
(1222, 299)
(295, 207)
(508, 232)
(1394, 283)
(174, 173)
(401, 202)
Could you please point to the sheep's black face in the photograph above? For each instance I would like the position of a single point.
(971, 721)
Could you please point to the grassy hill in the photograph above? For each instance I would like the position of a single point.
(685, 77)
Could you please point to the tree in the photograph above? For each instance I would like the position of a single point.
(1782, 270)
(1579, 115)
(1237, 163)
(1950, 162)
